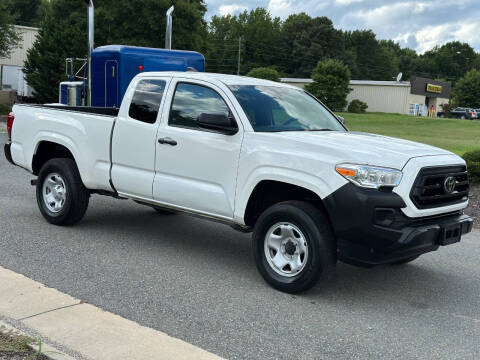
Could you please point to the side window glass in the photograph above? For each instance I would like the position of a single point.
(146, 100)
(190, 101)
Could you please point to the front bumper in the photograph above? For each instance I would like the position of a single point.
(8, 153)
(371, 229)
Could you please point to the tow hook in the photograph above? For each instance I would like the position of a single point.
(33, 182)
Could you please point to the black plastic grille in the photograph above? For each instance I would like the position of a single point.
(429, 188)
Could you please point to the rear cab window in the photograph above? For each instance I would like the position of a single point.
(146, 100)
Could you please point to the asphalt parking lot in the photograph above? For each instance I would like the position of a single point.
(196, 281)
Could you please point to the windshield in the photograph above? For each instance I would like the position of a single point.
(275, 108)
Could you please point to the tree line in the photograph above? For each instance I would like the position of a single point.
(293, 47)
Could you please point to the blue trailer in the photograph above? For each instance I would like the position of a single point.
(110, 69)
(114, 66)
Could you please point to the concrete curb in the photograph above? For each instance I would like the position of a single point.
(47, 350)
(85, 329)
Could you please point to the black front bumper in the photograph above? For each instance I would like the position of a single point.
(8, 153)
(371, 229)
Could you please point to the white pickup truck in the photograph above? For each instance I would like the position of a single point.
(260, 156)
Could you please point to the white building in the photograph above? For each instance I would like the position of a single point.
(11, 74)
(403, 97)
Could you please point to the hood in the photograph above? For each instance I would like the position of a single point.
(360, 148)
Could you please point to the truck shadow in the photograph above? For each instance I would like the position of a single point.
(225, 254)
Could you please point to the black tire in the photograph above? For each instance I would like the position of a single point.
(76, 195)
(405, 261)
(312, 222)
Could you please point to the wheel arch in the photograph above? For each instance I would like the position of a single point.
(47, 149)
(269, 192)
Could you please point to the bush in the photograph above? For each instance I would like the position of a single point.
(330, 83)
(473, 164)
(265, 73)
(357, 106)
(5, 109)
(467, 89)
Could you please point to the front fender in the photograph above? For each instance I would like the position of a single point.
(320, 185)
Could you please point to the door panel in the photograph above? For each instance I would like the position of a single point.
(134, 138)
(111, 83)
(199, 173)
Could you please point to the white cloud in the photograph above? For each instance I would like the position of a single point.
(418, 24)
(280, 7)
(430, 36)
(347, 2)
(231, 9)
(284, 8)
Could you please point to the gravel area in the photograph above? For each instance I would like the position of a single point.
(474, 205)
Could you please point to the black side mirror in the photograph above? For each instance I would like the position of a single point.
(341, 119)
(218, 122)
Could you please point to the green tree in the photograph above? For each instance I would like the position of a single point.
(372, 60)
(265, 73)
(306, 40)
(467, 91)
(260, 41)
(8, 36)
(450, 61)
(26, 12)
(63, 33)
(330, 83)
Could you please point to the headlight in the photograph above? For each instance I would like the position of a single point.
(369, 176)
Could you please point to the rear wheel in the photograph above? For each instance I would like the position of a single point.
(293, 246)
(61, 196)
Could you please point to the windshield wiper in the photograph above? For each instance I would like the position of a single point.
(322, 130)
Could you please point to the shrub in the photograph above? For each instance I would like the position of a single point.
(473, 164)
(265, 73)
(5, 109)
(357, 106)
(330, 83)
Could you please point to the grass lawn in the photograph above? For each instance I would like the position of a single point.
(458, 136)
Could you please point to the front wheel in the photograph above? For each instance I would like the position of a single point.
(61, 196)
(293, 246)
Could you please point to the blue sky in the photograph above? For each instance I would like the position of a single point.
(419, 25)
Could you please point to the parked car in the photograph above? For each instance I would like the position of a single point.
(260, 156)
(461, 113)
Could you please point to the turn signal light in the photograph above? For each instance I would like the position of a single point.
(345, 172)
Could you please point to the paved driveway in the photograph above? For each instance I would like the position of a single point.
(196, 280)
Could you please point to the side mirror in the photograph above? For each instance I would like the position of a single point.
(341, 119)
(218, 122)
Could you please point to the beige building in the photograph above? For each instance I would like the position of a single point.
(413, 97)
(11, 74)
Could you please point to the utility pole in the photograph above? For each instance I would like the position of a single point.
(239, 51)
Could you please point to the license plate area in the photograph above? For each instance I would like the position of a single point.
(451, 234)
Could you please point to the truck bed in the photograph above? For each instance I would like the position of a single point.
(84, 131)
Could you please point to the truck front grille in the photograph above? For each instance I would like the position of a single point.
(440, 186)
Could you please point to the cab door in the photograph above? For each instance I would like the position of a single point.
(196, 169)
(134, 137)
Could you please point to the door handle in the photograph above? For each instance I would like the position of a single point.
(167, 140)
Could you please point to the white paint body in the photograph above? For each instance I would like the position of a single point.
(208, 173)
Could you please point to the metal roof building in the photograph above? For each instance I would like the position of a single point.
(11, 75)
(402, 97)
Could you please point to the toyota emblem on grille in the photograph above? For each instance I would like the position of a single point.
(449, 185)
